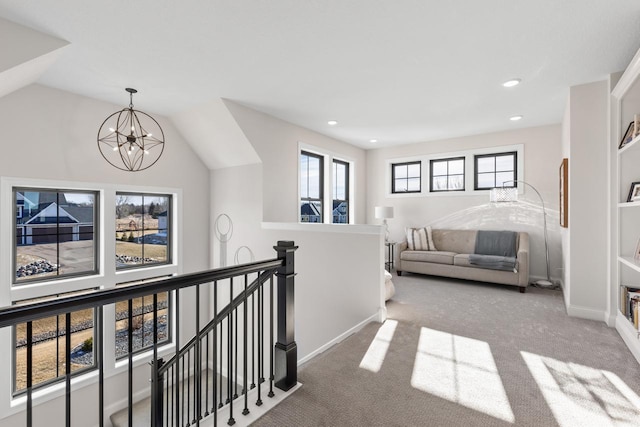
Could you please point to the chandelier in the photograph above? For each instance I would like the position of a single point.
(126, 142)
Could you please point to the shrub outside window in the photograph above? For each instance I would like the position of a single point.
(447, 174)
(406, 177)
(492, 170)
(143, 235)
(55, 234)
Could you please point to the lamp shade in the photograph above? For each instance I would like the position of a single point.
(503, 194)
(384, 212)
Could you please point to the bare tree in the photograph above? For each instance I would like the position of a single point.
(122, 206)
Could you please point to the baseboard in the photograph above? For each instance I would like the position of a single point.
(587, 313)
(339, 338)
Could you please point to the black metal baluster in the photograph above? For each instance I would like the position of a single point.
(130, 359)
(197, 381)
(176, 381)
(206, 388)
(235, 393)
(260, 325)
(271, 394)
(154, 383)
(98, 356)
(214, 339)
(245, 390)
(231, 421)
(220, 405)
(30, 373)
(182, 400)
(253, 340)
(67, 351)
(188, 386)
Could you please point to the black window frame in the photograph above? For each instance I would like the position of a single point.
(95, 239)
(307, 199)
(495, 155)
(346, 190)
(169, 237)
(448, 175)
(60, 376)
(393, 177)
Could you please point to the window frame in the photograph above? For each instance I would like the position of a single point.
(334, 199)
(406, 164)
(96, 236)
(448, 175)
(495, 155)
(320, 184)
(106, 278)
(168, 261)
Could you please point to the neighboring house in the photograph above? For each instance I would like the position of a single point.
(340, 213)
(162, 223)
(50, 223)
(309, 213)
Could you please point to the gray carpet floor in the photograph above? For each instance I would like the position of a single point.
(469, 354)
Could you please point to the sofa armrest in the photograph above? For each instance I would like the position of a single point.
(523, 260)
(400, 246)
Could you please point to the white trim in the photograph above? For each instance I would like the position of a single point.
(323, 227)
(629, 335)
(469, 170)
(339, 338)
(586, 313)
(327, 199)
(107, 278)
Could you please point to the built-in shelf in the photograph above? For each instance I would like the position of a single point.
(629, 204)
(630, 262)
(634, 143)
(629, 334)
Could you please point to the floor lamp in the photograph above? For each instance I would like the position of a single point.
(510, 194)
(384, 213)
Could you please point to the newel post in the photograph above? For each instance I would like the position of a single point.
(157, 394)
(286, 349)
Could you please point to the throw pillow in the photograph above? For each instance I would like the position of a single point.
(420, 239)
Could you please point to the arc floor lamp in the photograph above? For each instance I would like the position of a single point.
(510, 194)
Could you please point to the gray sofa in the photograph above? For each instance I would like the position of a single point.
(452, 259)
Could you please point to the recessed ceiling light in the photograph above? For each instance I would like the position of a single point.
(511, 83)
(373, 141)
(515, 118)
(332, 122)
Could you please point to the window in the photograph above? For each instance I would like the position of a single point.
(55, 234)
(49, 344)
(492, 170)
(406, 177)
(447, 174)
(311, 187)
(340, 212)
(141, 323)
(142, 229)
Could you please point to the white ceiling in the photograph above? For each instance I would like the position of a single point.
(398, 71)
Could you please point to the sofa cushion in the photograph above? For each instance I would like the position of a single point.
(458, 241)
(437, 257)
(462, 260)
(420, 239)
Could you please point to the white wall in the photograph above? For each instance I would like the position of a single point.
(542, 156)
(588, 200)
(276, 142)
(51, 134)
(339, 267)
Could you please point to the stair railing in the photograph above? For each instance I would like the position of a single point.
(207, 354)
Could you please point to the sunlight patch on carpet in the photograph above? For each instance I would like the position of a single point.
(584, 396)
(461, 370)
(374, 357)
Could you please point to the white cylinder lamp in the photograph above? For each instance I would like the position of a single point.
(384, 213)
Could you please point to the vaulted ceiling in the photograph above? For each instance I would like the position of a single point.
(396, 71)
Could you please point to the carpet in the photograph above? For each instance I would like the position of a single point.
(457, 353)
